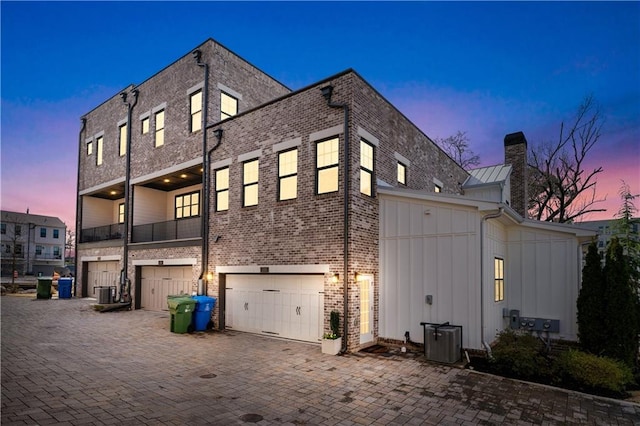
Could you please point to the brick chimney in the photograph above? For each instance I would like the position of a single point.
(515, 153)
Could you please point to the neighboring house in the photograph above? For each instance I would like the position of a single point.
(284, 194)
(606, 230)
(31, 244)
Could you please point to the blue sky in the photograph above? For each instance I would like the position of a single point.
(485, 68)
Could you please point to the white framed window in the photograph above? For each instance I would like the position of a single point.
(90, 147)
(288, 175)
(123, 139)
(402, 173)
(437, 188)
(43, 232)
(228, 105)
(327, 169)
(222, 189)
(498, 266)
(366, 167)
(144, 125)
(195, 107)
(159, 119)
(187, 205)
(56, 233)
(99, 149)
(250, 173)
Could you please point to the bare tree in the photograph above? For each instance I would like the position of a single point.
(70, 243)
(457, 147)
(560, 189)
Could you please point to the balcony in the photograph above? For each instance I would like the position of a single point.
(167, 231)
(102, 233)
(47, 256)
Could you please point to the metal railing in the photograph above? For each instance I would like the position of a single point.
(166, 231)
(102, 233)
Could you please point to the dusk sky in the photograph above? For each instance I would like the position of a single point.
(484, 68)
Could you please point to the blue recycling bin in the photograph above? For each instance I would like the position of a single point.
(202, 313)
(64, 288)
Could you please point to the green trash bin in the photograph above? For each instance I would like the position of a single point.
(181, 309)
(43, 289)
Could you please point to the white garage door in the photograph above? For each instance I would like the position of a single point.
(102, 274)
(158, 282)
(289, 306)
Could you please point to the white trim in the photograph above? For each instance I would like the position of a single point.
(168, 170)
(273, 269)
(122, 122)
(326, 133)
(186, 261)
(109, 258)
(221, 164)
(368, 136)
(438, 182)
(229, 91)
(145, 115)
(195, 88)
(159, 107)
(283, 146)
(101, 186)
(249, 155)
(402, 159)
(88, 140)
(99, 135)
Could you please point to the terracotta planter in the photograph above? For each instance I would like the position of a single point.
(331, 346)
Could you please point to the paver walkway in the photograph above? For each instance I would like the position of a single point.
(64, 363)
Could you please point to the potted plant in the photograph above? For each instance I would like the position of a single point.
(332, 342)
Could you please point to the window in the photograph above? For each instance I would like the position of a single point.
(18, 230)
(499, 279)
(222, 189)
(99, 143)
(187, 205)
(288, 175)
(56, 252)
(159, 116)
(7, 248)
(18, 250)
(228, 106)
(3, 228)
(327, 166)
(402, 174)
(437, 188)
(366, 168)
(250, 183)
(39, 250)
(121, 213)
(123, 140)
(196, 111)
(89, 147)
(145, 126)
(56, 233)
(43, 232)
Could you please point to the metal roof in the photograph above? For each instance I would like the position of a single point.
(488, 175)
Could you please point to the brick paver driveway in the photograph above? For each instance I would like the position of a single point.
(64, 363)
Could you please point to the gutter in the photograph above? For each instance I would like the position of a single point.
(482, 279)
(327, 91)
(78, 203)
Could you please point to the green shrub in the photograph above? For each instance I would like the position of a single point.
(593, 373)
(519, 354)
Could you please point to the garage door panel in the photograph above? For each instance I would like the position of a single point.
(101, 274)
(158, 282)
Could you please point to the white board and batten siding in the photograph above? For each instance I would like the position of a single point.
(428, 249)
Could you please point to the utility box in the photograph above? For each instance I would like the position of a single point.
(442, 343)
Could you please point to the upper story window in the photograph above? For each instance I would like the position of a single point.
(56, 233)
(159, 119)
(366, 168)
(327, 166)
(402, 173)
(99, 149)
(222, 189)
(187, 205)
(56, 252)
(43, 232)
(121, 213)
(144, 123)
(18, 230)
(18, 250)
(90, 147)
(437, 188)
(288, 175)
(3, 228)
(250, 172)
(39, 250)
(499, 279)
(195, 105)
(123, 139)
(228, 106)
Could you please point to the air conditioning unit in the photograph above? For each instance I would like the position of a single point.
(442, 343)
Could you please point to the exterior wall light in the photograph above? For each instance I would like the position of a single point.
(359, 277)
(209, 276)
(335, 278)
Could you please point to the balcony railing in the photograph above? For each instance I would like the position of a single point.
(166, 231)
(46, 256)
(102, 233)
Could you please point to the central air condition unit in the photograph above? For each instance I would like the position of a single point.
(442, 343)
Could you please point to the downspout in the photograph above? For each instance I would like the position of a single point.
(204, 224)
(124, 279)
(482, 281)
(78, 203)
(327, 91)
